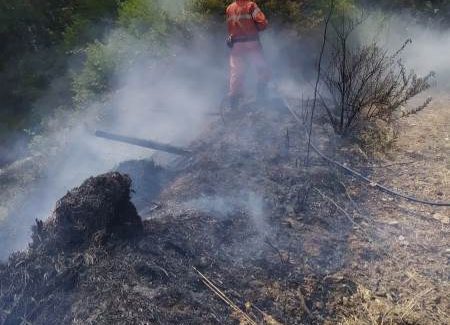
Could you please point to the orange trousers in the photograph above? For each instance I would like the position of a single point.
(243, 56)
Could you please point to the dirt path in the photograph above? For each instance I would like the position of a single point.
(401, 253)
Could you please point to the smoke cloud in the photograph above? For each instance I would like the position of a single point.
(430, 43)
(166, 101)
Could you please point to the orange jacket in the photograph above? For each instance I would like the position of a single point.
(245, 19)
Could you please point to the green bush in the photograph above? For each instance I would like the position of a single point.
(144, 28)
(36, 38)
(97, 74)
(141, 17)
(88, 21)
(209, 7)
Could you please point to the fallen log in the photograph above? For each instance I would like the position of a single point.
(150, 144)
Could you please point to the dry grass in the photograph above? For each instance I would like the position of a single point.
(377, 137)
(408, 282)
(371, 309)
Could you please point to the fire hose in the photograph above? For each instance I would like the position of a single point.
(358, 174)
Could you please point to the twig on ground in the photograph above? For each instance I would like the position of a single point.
(268, 318)
(347, 194)
(224, 298)
(283, 260)
(286, 262)
(349, 217)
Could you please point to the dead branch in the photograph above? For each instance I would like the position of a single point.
(326, 197)
(224, 298)
(319, 70)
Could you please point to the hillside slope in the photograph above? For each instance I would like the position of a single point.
(286, 243)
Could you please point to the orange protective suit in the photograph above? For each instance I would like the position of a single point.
(245, 20)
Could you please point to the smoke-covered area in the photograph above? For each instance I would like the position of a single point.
(430, 42)
(250, 203)
(294, 243)
(170, 101)
(166, 101)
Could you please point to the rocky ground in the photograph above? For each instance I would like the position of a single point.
(242, 232)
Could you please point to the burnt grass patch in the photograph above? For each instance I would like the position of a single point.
(95, 262)
(243, 210)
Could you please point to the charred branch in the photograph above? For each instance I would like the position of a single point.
(150, 144)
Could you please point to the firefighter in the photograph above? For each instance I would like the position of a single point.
(245, 20)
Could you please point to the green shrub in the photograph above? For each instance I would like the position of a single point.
(140, 17)
(209, 7)
(106, 61)
(97, 74)
(144, 29)
(89, 21)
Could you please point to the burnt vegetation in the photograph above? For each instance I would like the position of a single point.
(242, 233)
(94, 261)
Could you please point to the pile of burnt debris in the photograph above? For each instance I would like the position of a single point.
(91, 214)
(37, 285)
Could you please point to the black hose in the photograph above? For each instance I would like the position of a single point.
(359, 175)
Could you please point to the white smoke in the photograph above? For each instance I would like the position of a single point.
(430, 43)
(166, 101)
(170, 103)
(248, 202)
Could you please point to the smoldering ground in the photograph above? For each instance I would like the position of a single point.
(165, 112)
(315, 242)
(170, 102)
(247, 202)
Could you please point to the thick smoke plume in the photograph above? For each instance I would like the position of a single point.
(169, 101)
